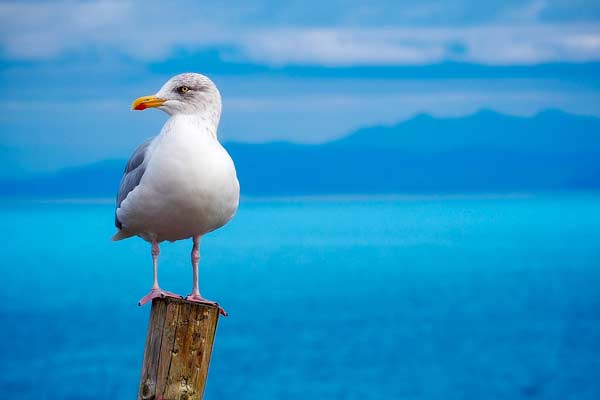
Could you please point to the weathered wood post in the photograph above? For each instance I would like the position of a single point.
(178, 348)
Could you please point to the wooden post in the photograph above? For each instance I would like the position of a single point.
(178, 348)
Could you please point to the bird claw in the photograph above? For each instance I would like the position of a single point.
(156, 293)
(199, 299)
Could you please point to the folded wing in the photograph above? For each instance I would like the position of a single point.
(134, 170)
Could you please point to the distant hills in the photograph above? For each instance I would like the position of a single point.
(483, 152)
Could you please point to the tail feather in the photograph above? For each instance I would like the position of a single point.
(121, 234)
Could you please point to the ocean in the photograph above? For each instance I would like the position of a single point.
(406, 297)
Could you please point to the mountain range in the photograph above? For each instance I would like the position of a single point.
(483, 152)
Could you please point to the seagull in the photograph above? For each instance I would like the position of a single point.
(182, 183)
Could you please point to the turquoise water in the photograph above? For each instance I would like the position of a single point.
(405, 298)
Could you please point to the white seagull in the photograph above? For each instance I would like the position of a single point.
(182, 183)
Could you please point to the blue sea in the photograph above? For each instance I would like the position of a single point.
(408, 297)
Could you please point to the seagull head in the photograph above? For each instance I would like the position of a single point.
(187, 93)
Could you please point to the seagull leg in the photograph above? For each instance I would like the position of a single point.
(156, 291)
(195, 295)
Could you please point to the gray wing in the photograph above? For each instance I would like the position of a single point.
(134, 170)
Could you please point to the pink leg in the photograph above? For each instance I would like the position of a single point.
(156, 291)
(195, 295)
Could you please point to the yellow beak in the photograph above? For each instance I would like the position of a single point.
(144, 102)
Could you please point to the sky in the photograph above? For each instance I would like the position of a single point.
(307, 71)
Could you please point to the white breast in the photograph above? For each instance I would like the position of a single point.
(189, 187)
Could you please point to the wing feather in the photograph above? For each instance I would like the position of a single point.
(134, 170)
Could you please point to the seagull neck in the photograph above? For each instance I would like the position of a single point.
(202, 123)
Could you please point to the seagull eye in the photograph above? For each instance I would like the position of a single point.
(183, 89)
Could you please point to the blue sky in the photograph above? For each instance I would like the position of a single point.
(306, 71)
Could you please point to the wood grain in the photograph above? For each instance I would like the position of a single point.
(178, 349)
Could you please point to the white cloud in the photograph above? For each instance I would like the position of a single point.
(41, 31)
(38, 31)
(490, 44)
